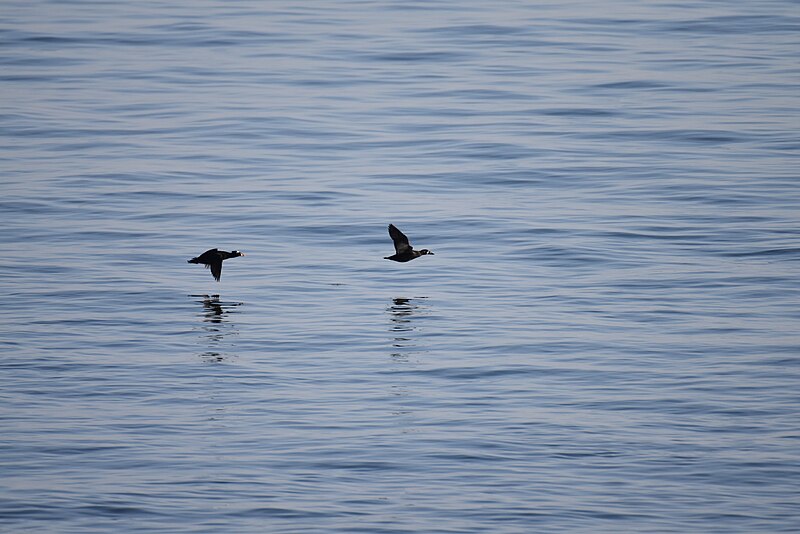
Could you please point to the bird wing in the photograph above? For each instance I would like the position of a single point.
(401, 243)
(207, 256)
(216, 268)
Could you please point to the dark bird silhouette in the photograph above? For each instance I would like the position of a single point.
(212, 259)
(403, 250)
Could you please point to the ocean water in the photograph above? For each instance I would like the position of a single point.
(606, 339)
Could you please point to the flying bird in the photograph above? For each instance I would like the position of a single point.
(212, 259)
(403, 250)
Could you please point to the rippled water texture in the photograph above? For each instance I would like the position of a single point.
(604, 341)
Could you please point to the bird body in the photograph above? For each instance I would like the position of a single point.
(213, 258)
(403, 250)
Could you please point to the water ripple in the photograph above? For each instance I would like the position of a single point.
(604, 340)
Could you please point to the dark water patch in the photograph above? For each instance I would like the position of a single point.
(199, 39)
(418, 57)
(28, 207)
(77, 451)
(459, 30)
(564, 256)
(480, 151)
(207, 33)
(671, 234)
(317, 198)
(443, 7)
(736, 25)
(285, 513)
(39, 62)
(98, 134)
(632, 85)
(580, 112)
(117, 510)
(477, 95)
(517, 178)
(779, 253)
(703, 137)
(13, 510)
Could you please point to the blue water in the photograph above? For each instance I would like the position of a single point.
(606, 339)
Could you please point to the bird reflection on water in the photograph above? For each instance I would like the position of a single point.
(216, 327)
(403, 314)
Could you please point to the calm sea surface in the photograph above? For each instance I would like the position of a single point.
(606, 339)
